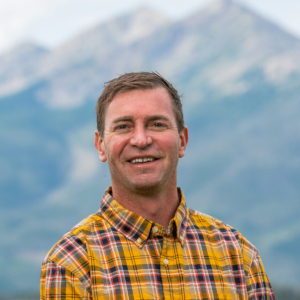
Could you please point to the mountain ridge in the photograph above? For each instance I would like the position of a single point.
(57, 59)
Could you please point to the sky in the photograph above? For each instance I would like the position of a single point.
(50, 23)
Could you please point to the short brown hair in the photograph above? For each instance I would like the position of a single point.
(136, 81)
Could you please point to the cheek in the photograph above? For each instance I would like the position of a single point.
(169, 144)
(115, 147)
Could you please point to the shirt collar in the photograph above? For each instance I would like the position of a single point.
(135, 227)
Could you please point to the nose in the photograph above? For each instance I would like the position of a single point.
(140, 138)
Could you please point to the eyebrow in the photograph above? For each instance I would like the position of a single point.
(157, 117)
(123, 119)
(150, 118)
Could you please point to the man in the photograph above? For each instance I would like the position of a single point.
(144, 243)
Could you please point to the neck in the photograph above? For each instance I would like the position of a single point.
(159, 208)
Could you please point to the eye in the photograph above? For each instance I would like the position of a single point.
(122, 126)
(158, 126)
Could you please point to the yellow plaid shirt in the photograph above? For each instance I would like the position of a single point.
(116, 254)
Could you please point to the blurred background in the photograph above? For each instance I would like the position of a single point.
(237, 65)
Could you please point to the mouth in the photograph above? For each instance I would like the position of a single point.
(142, 160)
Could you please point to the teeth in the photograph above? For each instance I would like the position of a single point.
(139, 160)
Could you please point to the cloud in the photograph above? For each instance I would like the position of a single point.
(18, 18)
(52, 22)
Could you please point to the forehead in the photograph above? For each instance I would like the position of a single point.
(139, 103)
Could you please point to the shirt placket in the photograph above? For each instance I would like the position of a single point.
(170, 268)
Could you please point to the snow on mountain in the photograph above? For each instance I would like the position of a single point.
(17, 67)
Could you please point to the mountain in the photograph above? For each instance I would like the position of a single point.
(17, 65)
(240, 79)
(83, 59)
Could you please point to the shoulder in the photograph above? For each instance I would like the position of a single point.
(73, 246)
(218, 231)
(68, 260)
(211, 224)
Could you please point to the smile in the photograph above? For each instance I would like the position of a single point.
(142, 160)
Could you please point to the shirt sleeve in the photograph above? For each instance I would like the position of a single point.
(258, 285)
(59, 283)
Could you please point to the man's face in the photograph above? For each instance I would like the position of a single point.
(141, 142)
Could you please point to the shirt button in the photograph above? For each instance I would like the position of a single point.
(166, 262)
(154, 229)
(139, 240)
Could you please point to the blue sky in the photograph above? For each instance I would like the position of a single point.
(52, 22)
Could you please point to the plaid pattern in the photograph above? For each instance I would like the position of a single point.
(116, 254)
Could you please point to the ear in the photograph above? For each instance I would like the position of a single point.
(184, 138)
(99, 144)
